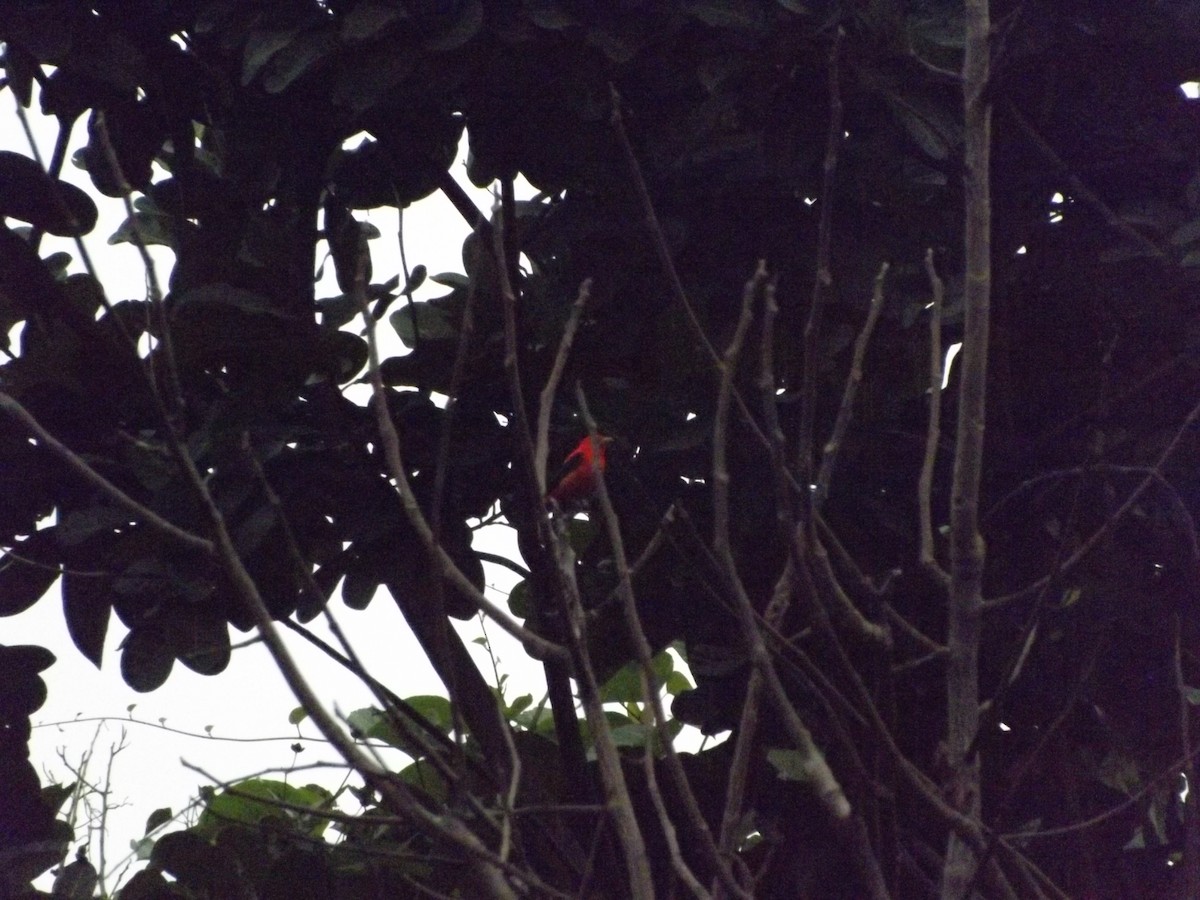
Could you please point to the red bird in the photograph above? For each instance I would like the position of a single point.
(577, 478)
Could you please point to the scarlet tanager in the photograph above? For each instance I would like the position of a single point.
(577, 478)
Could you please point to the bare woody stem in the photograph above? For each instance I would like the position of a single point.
(824, 275)
(535, 645)
(934, 429)
(841, 425)
(618, 802)
(546, 402)
(650, 687)
(141, 513)
(967, 553)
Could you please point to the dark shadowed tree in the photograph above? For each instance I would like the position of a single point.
(957, 651)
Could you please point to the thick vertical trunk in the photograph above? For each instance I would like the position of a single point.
(967, 548)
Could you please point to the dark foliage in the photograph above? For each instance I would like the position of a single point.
(1093, 372)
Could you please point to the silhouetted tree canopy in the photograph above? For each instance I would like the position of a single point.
(744, 125)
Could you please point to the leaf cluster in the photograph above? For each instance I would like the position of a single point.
(253, 134)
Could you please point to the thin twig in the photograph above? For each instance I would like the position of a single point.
(503, 561)
(422, 736)
(61, 207)
(61, 143)
(520, 420)
(721, 543)
(933, 431)
(841, 425)
(546, 403)
(466, 331)
(678, 864)
(747, 727)
(1080, 189)
(76, 463)
(618, 802)
(651, 693)
(918, 637)
(1110, 523)
(823, 278)
(534, 644)
(845, 611)
(399, 712)
(487, 866)
(153, 287)
(785, 519)
(1191, 820)
(823, 782)
(668, 264)
(1169, 772)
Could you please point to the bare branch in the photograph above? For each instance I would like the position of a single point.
(651, 694)
(967, 554)
(153, 286)
(429, 738)
(678, 864)
(534, 644)
(668, 264)
(542, 445)
(76, 463)
(728, 367)
(487, 868)
(616, 791)
(853, 378)
(843, 609)
(824, 783)
(824, 275)
(1191, 819)
(1101, 533)
(933, 432)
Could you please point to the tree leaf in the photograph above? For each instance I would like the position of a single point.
(146, 660)
(623, 687)
(29, 194)
(87, 605)
(790, 765)
(436, 709)
(433, 320)
(151, 228)
(26, 573)
(261, 47)
(159, 817)
(369, 17)
(467, 21)
(743, 15)
(200, 641)
(518, 600)
(359, 589)
(297, 59)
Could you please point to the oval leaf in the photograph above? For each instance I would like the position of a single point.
(146, 661)
(87, 604)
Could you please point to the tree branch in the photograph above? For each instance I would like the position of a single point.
(651, 689)
(142, 513)
(967, 553)
(546, 404)
(822, 280)
(845, 413)
(933, 431)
